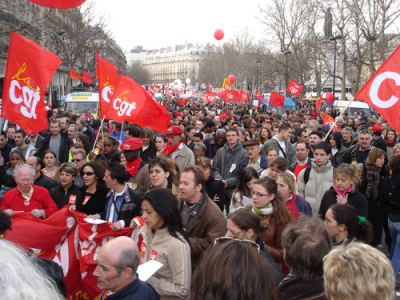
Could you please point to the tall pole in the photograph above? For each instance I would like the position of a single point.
(334, 69)
(286, 53)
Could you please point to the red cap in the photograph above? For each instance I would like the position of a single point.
(174, 130)
(131, 144)
(376, 128)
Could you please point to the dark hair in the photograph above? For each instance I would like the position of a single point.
(245, 219)
(17, 152)
(69, 168)
(163, 164)
(305, 244)
(161, 135)
(204, 162)
(117, 125)
(199, 135)
(166, 206)
(357, 228)
(284, 127)
(49, 151)
(3, 133)
(135, 131)
(317, 133)
(307, 144)
(113, 140)
(98, 170)
(234, 270)
(395, 163)
(148, 132)
(5, 221)
(22, 132)
(281, 163)
(338, 137)
(38, 161)
(232, 129)
(364, 131)
(85, 141)
(118, 172)
(198, 175)
(245, 176)
(323, 146)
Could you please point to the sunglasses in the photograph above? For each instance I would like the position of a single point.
(87, 173)
(224, 239)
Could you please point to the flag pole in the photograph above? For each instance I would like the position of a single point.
(341, 114)
(122, 132)
(98, 133)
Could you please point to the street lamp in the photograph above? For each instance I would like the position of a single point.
(258, 61)
(334, 39)
(286, 53)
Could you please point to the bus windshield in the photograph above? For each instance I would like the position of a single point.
(81, 107)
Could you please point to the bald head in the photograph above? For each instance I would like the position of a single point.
(120, 250)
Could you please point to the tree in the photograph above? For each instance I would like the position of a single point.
(138, 73)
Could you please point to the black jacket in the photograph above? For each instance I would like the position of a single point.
(5, 152)
(293, 287)
(214, 188)
(391, 188)
(45, 182)
(61, 198)
(355, 199)
(65, 144)
(135, 290)
(149, 153)
(130, 207)
(92, 204)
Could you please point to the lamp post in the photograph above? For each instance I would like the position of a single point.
(286, 53)
(334, 39)
(258, 61)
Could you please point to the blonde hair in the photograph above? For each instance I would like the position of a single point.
(357, 271)
(289, 180)
(352, 171)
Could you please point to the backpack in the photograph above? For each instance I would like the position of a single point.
(307, 172)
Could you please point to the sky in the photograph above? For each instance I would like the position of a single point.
(159, 23)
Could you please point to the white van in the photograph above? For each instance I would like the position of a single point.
(355, 106)
(82, 102)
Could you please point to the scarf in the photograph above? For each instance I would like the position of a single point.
(132, 167)
(263, 211)
(343, 193)
(390, 143)
(170, 149)
(27, 196)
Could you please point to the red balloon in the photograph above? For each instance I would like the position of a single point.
(219, 34)
(232, 78)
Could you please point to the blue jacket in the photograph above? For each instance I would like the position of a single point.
(245, 161)
(135, 290)
(303, 206)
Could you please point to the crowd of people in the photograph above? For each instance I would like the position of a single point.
(235, 202)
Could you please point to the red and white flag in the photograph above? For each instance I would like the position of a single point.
(132, 103)
(29, 71)
(244, 96)
(382, 90)
(107, 77)
(294, 88)
(210, 97)
(60, 4)
(327, 119)
(230, 96)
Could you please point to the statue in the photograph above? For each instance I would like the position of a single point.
(328, 24)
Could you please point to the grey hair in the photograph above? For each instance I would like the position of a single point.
(19, 167)
(128, 259)
(20, 278)
(220, 131)
(201, 146)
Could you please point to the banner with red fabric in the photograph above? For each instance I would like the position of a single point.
(382, 90)
(294, 88)
(329, 98)
(318, 104)
(182, 102)
(74, 74)
(327, 119)
(132, 103)
(67, 239)
(230, 96)
(226, 85)
(244, 96)
(86, 77)
(258, 96)
(210, 97)
(107, 77)
(60, 4)
(29, 71)
(276, 99)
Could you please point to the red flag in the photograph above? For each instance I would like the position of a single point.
(182, 102)
(294, 88)
(226, 85)
(29, 71)
(231, 96)
(259, 96)
(318, 104)
(210, 97)
(327, 119)
(86, 77)
(382, 90)
(276, 99)
(244, 96)
(107, 76)
(329, 98)
(131, 102)
(60, 4)
(74, 74)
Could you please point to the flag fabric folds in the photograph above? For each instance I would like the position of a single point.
(107, 77)
(276, 99)
(60, 4)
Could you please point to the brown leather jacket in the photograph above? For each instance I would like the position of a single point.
(272, 237)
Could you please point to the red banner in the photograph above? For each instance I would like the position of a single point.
(230, 96)
(60, 4)
(276, 99)
(329, 97)
(70, 241)
(86, 77)
(74, 74)
(210, 97)
(226, 85)
(132, 103)
(182, 102)
(318, 104)
(107, 77)
(29, 71)
(382, 90)
(244, 96)
(294, 88)
(327, 119)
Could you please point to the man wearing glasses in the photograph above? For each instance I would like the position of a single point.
(78, 159)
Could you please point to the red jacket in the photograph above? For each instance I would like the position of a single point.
(41, 199)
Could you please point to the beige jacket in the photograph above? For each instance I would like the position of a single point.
(172, 281)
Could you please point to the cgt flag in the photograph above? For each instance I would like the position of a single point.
(382, 90)
(60, 4)
(276, 99)
(294, 88)
(29, 71)
(132, 103)
(226, 85)
(107, 77)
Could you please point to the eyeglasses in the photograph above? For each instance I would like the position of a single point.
(76, 160)
(224, 239)
(254, 193)
(87, 173)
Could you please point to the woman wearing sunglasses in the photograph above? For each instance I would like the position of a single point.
(94, 191)
(274, 216)
(164, 241)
